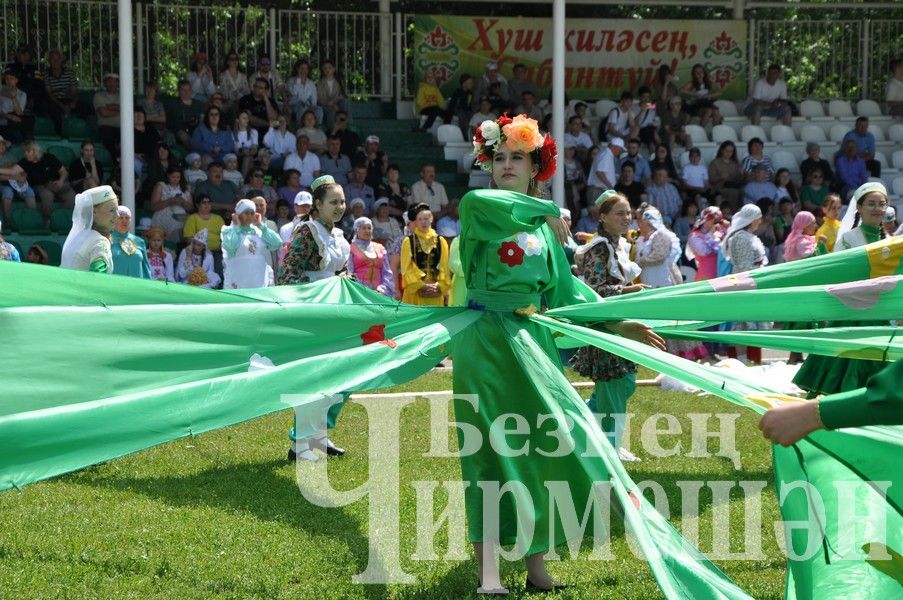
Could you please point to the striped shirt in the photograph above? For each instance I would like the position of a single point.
(61, 86)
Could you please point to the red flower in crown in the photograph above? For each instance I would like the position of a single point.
(377, 334)
(504, 120)
(548, 159)
(511, 254)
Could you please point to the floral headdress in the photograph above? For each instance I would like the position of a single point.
(520, 134)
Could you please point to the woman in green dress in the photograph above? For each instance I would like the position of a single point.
(506, 367)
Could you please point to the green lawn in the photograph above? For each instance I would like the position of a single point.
(220, 516)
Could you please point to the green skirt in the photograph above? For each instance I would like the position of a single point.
(821, 375)
(509, 365)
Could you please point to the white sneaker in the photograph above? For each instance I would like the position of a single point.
(302, 451)
(628, 456)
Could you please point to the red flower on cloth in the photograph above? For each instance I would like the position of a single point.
(377, 334)
(511, 254)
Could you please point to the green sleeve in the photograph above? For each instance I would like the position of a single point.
(271, 239)
(230, 238)
(879, 403)
(496, 214)
(565, 289)
(99, 266)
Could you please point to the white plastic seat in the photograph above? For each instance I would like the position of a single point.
(840, 109)
(895, 132)
(811, 109)
(449, 133)
(813, 133)
(782, 134)
(897, 186)
(727, 108)
(603, 107)
(868, 108)
(724, 133)
(838, 131)
(697, 134)
(877, 132)
(896, 159)
(784, 159)
(752, 131)
(465, 162)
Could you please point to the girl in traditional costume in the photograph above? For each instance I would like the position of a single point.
(318, 251)
(158, 257)
(246, 244)
(424, 261)
(369, 261)
(514, 264)
(604, 264)
(87, 247)
(829, 374)
(196, 263)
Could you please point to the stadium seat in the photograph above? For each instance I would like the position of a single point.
(76, 129)
(727, 108)
(603, 107)
(877, 132)
(43, 128)
(782, 134)
(452, 141)
(838, 131)
(54, 252)
(811, 109)
(64, 154)
(868, 108)
(465, 163)
(783, 159)
(61, 220)
(813, 133)
(106, 159)
(896, 159)
(840, 109)
(697, 134)
(752, 131)
(29, 221)
(724, 133)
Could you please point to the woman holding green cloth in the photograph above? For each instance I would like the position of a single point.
(604, 264)
(87, 247)
(507, 366)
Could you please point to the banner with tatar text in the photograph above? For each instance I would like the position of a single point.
(603, 56)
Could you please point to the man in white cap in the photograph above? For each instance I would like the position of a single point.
(246, 244)
(129, 250)
(87, 247)
(491, 75)
(375, 159)
(106, 105)
(303, 202)
(603, 175)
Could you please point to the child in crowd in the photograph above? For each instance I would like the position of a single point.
(193, 172)
(695, 176)
(231, 172)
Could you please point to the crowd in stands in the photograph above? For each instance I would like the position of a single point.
(224, 134)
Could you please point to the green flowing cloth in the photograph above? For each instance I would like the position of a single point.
(102, 366)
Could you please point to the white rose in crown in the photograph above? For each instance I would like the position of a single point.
(491, 132)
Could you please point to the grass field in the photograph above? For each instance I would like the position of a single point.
(220, 516)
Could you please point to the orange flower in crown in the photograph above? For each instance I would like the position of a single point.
(518, 134)
(522, 134)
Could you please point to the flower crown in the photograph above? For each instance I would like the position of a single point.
(518, 134)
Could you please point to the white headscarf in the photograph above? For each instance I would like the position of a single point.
(849, 217)
(743, 219)
(83, 218)
(244, 205)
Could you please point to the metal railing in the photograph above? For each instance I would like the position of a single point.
(846, 59)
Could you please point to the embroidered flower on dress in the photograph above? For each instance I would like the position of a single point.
(511, 254)
(529, 243)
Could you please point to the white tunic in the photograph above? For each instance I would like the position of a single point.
(89, 246)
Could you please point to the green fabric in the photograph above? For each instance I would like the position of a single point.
(879, 403)
(98, 266)
(130, 265)
(147, 362)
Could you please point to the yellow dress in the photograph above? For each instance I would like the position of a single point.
(426, 262)
(829, 229)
